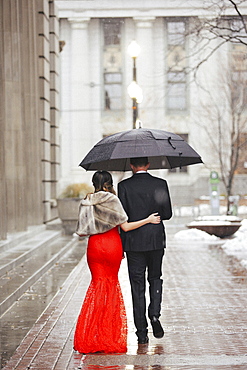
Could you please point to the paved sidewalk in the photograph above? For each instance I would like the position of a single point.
(204, 316)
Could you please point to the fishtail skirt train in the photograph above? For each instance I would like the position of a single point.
(102, 323)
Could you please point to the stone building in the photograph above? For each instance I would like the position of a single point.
(29, 139)
(96, 71)
(64, 76)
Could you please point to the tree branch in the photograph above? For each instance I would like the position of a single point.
(238, 12)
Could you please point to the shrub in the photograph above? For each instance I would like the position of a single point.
(76, 191)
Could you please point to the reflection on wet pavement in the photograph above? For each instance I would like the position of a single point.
(122, 367)
(15, 323)
(203, 315)
(125, 367)
(147, 349)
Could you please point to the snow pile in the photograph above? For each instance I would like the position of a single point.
(242, 210)
(222, 218)
(215, 221)
(194, 234)
(238, 245)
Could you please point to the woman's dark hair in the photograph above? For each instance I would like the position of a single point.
(102, 181)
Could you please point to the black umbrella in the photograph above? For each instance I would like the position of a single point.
(163, 149)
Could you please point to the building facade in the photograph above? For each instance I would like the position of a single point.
(96, 70)
(64, 76)
(30, 145)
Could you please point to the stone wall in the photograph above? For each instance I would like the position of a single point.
(48, 53)
(183, 108)
(28, 139)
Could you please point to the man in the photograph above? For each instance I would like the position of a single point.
(141, 195)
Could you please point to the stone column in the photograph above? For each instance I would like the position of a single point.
(145, 68)
(48, 30)
(24, 113)
(30, 103)
(80, 125)
(3, 194)
(44, 104)
(95, 66)
(14, 178)
(54, 103)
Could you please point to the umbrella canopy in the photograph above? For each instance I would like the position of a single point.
(163, 149)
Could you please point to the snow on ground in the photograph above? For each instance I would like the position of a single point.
(195, 234)
(235, 246)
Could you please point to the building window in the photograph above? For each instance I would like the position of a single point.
(238, 91)
(238, 67)
(176, 93)
(112, 65)
(183, 169)
(112, 32)
(242, 162)
(176, 33)
(113, 91)
(239, 78)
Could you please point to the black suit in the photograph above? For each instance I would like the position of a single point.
(141, 195)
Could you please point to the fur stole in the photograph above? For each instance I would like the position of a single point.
(99, 212)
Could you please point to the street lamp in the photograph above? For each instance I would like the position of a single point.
(134, 90)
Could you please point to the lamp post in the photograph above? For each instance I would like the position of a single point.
(134, 90)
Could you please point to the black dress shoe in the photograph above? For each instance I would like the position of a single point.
(158, 331)
(143, 340)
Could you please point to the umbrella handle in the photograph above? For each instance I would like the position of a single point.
(169, 141)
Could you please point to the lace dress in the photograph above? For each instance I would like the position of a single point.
(102, 324)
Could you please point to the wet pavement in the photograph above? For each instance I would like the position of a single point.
(203, 315)
(15, 322)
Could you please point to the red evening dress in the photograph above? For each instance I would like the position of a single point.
(102, 323)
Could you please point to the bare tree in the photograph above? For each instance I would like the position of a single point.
(225, 125)
(220, 30)
(222, 22)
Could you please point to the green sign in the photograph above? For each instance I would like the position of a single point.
(214, 177)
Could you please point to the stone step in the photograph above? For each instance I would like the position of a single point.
(12, 257)
(17, 238)
(15, 323)
(15, 282)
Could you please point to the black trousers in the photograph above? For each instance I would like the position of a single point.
(138, 264)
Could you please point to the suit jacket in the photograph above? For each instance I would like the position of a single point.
(141, 195)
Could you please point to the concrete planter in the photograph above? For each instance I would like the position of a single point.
(221, 226)
(68, 209)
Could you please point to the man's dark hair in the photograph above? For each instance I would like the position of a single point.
(139, 162)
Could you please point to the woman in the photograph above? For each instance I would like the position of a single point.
(102, 324)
